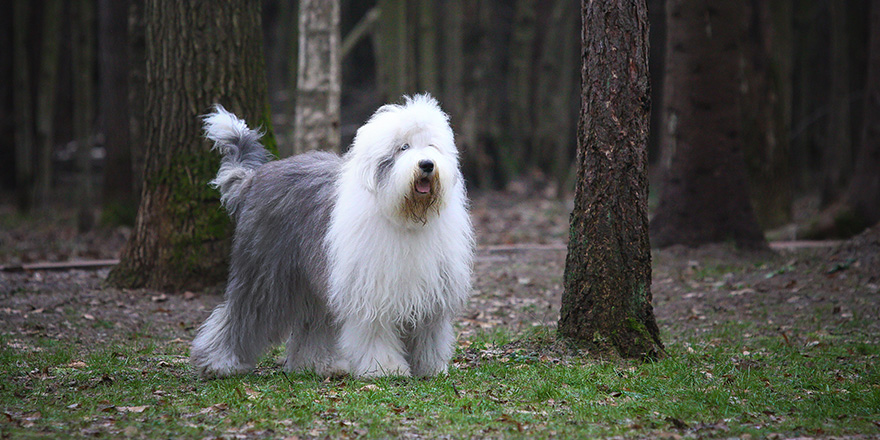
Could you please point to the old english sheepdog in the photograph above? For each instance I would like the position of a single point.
(361, 262)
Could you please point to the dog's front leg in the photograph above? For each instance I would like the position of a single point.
(373, 349)
(430, 347)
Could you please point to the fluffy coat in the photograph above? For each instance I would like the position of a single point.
(361, 262)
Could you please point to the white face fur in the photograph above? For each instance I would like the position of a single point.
(405, 156)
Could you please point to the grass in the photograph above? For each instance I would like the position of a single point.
(720, 385)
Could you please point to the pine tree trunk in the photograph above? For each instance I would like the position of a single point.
(137, 90)
(83, 57)
(23, 105)
(318, 82)
(395, 54)
(765, 114)
(46, 94)
(704, 198)
(556, 75)
(520, 79)
(427, 38)
(607, 298)
(837, 158)
(198, 53)
(864, 190)
(118, 199)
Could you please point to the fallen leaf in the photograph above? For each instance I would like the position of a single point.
(189, 295)
(132, 409)
(77, 364)
(88, 316)
(217, 407)
(159, 298)
(251, 393)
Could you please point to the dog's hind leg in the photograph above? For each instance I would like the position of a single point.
(312, 342)
(213, 350)
(238, 332)
(429, 347)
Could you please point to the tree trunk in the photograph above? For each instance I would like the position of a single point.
(137, 90)
(395, 54)
(46, 94)
(837, 157)
(704, 198)
(427, 38)
(766, 117)
(809, 93)
(23, 106)
(83, 58)
(657, 58)
(318, 82)
(554, 133)
(118, 199)
(520, 79)
(198, 53)
(607, 298)
(864, 190)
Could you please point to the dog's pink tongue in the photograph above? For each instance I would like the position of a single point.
(423, 186)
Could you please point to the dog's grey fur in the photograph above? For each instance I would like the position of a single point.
(360, 261)
(278, 268)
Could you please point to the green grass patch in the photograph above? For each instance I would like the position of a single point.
(503, 385)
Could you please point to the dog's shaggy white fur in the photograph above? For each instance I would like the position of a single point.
(361, 262)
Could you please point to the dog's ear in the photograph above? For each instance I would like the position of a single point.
(366, 173)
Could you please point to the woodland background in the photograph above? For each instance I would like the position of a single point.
(506, 71)
(765, 118)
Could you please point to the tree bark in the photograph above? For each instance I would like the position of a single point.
(607, 298)
(395, 51)
(23, 105)
(83, 58)
(137, 90)
(46, 94)
(837, 157)
(864, 190)
(704, 198)
(118, 198)
(318, 83)
(520, 80)
(555, 140)
(766, 115)
(198, 53)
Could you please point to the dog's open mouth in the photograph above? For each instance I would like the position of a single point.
(423, 185)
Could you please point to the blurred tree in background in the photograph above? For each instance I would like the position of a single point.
(197, 54)
(802, 106)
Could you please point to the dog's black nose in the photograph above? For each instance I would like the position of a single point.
(426, 166)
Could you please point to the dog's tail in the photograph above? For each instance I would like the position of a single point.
(242, 154)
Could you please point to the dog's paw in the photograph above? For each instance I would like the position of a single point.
(213, 368)
(385, 370)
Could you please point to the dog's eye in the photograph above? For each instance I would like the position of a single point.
(404, 147)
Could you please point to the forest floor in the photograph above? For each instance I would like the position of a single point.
(800, 294)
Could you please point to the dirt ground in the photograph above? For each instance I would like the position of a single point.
(796, 291)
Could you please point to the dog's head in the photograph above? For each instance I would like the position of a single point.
(405, 155)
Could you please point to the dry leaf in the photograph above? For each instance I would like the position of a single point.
(132, 409)
(217, 407)
(251, 394)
